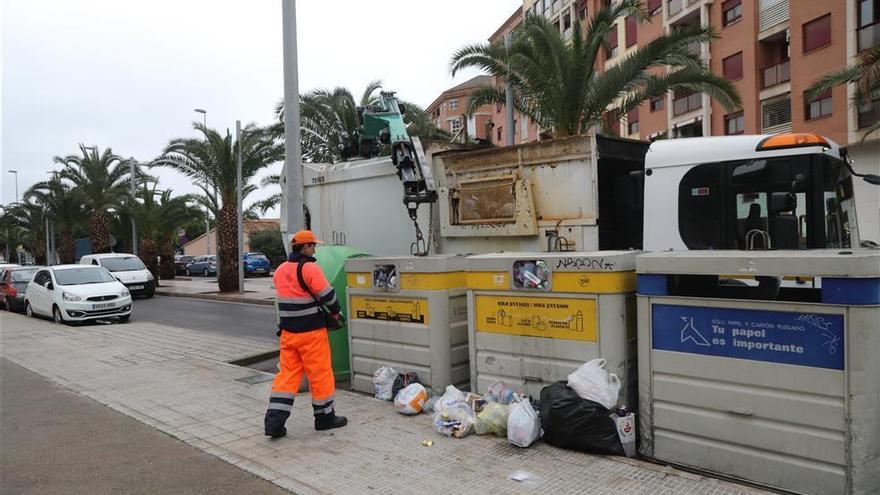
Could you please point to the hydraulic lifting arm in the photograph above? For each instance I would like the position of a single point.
(381, 124)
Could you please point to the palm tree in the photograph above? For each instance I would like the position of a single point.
(864, 75)
(159, 215)
(555, 82)
(65, 207)
(101, 179)
(212, 159)
(31, 219)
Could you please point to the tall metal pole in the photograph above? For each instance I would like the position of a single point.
(509, 97)
(134, 242)
(239, 209)
(294, 215)
(16, 183)
(48, 247)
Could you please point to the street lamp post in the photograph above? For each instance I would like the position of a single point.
(134, 242)
(16, 183)
(50, 231)
(238, 199)
(207, 210)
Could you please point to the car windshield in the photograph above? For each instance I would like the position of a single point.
(24, 275)
(185, 259)
(84, 275)
(256, 257)
(125, 264)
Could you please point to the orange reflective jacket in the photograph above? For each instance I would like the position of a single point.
(296, 309)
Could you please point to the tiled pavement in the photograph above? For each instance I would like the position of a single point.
(179, 382)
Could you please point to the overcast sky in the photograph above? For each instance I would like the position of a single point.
(128, 73)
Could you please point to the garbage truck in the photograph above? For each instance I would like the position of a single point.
(593, 192)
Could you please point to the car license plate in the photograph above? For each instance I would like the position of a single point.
(103, 305)
(260, 270)
(136, 287)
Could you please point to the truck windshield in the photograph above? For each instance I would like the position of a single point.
(126, 264)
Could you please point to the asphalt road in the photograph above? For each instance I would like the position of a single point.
(56, 441)
(208, 316)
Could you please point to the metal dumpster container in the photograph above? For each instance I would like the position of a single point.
(409, 313)
(536, 317)
(763, 365)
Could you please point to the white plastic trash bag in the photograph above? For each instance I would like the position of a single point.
(500, 393)
(592, 382)
(411, 400)
(454, 420)
(383, 381)
(523, 425)
(450, 398)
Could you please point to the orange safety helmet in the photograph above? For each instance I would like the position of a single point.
(305, 237)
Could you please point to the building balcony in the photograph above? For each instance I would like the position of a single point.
(868, 36)
(772, 13)
(675, 7)
(687, 103)
(775, 75)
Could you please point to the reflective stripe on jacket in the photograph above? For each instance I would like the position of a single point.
(296, 310)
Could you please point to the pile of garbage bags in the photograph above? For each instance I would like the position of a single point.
(579, 414)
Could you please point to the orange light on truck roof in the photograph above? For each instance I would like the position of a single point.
(791, 140)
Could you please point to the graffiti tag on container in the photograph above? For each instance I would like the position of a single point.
(585, 263)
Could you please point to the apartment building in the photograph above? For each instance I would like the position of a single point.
(448, 111)
(772, 51)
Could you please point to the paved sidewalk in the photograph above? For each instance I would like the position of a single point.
(258, 290)
(155, 374)
(55, 441)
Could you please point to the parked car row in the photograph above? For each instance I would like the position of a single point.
(99, 287)
(256, 264)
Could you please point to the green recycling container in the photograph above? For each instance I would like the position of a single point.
(331, 259)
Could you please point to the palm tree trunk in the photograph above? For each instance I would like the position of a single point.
(167, 270)
(39, 250)
(66, 248)
(99, 233)
(227, 247)
(147, 252)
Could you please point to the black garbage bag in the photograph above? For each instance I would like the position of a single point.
(402, 381)
(574, 423)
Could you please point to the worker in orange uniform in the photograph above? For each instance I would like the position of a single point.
(302, 308)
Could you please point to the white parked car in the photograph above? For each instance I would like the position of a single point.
(127, 268)
(73, 293)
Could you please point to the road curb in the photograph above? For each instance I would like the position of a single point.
(214, 297)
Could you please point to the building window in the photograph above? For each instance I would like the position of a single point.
(869, 114)
(733, 66)
(869, 24)
(498, 133)
(817, 33)
(547, 5)
(820, 106)
(612, 50)
(658, 103)
(566, 21)
(453, 103)
(632, 121)
(732, 11)
(582, 12)
(612, 122)
(776, 113)
(630, 28)
(734, 124)
(654, 6)
(454, 126)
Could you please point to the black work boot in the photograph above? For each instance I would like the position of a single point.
(274, 423)
(328, 421)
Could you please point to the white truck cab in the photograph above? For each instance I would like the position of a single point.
(756, 192)
(127, 268)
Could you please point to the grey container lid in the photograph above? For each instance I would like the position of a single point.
(579, 261)
(410, 264)
(815, 263)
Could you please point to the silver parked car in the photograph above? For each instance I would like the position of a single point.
(203, 265)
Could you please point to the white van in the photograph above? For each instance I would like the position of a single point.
(127, 268)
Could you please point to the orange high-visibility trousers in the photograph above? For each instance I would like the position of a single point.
(307, 352)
